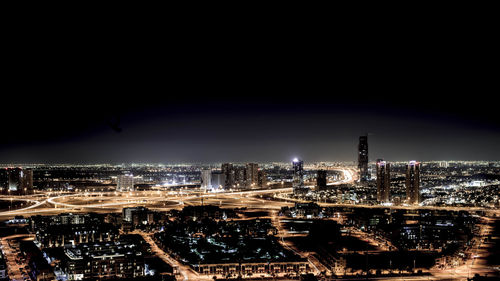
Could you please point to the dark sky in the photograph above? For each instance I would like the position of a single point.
(251, 97)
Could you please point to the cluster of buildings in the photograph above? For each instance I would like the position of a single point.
(233, 176)
(16, 181)
(416, 229)
(412, 182)
(71, 229)
(228, 248)
(383, 180)
(87, 247)
(97, 261)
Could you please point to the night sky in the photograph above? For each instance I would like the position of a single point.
(271, 99)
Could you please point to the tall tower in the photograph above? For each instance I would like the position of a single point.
(298, 175)
(383, 181)
(262, 179)
(252, 174)
(363, 159)
(19, 180)
(413, 182)
(206, 179)
(229, 175)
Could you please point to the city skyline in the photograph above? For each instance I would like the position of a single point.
(343, 150)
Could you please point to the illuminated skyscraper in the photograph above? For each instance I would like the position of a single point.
(383, 181)
(206, 179)
(413, 182)
(321, 180)
(363, 159)
(125, 182)
(298, 176)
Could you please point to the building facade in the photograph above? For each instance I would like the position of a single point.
(413, 182)
(125, 182)
(364, 175)
(251, 174)
(98, 261)
(383, 181)
(16, 181)
(298, 176)
(206, 179)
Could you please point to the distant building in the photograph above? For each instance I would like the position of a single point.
(298, 176)
(262, 178)
(218, 180)
(17, 181)
(321, 180)
(240, 176)
(206, 179)
(136, 215)
(229, 175)
(4, 180)
(443, 164)
(125, 182)
(251, 174)
(413, 182)
(383, 181)
(364, 175)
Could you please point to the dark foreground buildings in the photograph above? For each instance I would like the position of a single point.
(224, 248)
(321, 180)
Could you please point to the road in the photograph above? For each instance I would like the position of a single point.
(15, 263)
(184, 270)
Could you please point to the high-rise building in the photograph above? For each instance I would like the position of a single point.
(298, 176)
(383, 181)
(218, 180)
(252, 174)
(4, 180)
(239, 177)
(16, 181)
(206, 179)
(125, 182)
(262, 178)
(363, 159)
(413, 182)
(229, 175)
(321, 180)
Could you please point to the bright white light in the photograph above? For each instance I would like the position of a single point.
(295, 160)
